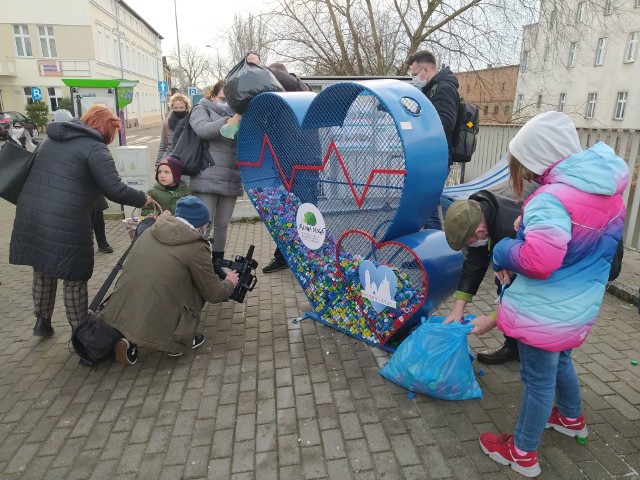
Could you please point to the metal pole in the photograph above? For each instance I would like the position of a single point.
(175, 12)
(119, 39)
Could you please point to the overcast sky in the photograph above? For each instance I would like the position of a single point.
(200, 22)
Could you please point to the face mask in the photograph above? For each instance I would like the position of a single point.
(478, 243)
(18, 132)
(180, 114)
(417, 82)
(223, 105)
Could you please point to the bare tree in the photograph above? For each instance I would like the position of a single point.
(246, 34)
(367, 37)
(196, 67)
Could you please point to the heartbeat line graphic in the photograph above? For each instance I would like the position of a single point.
(288, 183)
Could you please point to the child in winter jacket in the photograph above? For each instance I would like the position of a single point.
(168, 188)
(562, 254)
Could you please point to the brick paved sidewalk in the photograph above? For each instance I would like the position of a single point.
(267, 398)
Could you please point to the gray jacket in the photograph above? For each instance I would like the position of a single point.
(223, 177)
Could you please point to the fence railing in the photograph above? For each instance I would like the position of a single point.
(493, 142)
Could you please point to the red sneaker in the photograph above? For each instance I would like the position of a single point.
(501, 449)
(572, 428)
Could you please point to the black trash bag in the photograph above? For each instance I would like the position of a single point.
(245, 81)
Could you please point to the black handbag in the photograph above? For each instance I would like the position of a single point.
(15, 165)
(192, 150)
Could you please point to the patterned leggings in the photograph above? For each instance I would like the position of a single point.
(76, 301)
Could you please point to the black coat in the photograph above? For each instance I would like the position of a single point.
(442, 91)
(500, 210)
(53, 227)
(290, 82)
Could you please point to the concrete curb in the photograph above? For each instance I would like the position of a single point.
(623, 292)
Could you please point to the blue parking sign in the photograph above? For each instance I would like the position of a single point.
(191, 91)
(36, 94)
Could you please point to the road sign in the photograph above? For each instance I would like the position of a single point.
(36, 94)
(191, 91)
(163, 97)
(163, 87)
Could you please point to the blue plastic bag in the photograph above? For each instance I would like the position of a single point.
(435, 360)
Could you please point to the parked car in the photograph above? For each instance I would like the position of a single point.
(9, 116)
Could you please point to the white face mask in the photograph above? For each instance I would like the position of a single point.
(478, 243)
(223, 105)
(18, 132)
(417, 82)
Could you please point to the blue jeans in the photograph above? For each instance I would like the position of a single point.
(546, 376)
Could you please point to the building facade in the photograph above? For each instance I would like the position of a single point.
(492, 90)
(582, 58)
(103, 39)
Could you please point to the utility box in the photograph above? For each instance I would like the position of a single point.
(135, 166)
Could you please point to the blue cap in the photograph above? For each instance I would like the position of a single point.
(192, 210)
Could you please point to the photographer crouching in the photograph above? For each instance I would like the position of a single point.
(167, 278)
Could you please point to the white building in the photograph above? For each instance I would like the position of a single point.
(42, 42)
(582, 58)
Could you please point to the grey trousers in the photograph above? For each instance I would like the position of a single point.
(220, 211)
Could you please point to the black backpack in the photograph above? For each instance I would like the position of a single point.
(191, 149)
(465, 133)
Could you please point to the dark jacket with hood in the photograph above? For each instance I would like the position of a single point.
(442, 91)
(173, 127)
(53, 227)
(161, 291)
(290, 82)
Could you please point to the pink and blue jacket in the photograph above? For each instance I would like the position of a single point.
(563, 250)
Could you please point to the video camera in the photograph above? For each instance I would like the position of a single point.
(245, 266)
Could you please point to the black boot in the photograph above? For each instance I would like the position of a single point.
(218, 270)
(43, 327)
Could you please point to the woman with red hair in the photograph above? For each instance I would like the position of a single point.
(53, 226)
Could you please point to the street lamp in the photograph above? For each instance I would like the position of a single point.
(175, 12)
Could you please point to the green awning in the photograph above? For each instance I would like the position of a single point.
(98, 82)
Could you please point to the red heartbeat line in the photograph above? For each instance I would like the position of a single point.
(318, 168)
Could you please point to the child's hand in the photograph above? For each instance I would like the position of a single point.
(516, 223)
(482, 324)
(165, 213)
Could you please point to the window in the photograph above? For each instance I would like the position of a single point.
(600, 51)
(55, 95)
(486, 109)
(496, 109)
(503, 86)
(580, 12)
(23, 42)
(47, 41)
(539, 102)
(507, 109)
(608, 7)
(561, 102)
(525, 61)
(591, 105)
(468, 88)
(27, 95)
(637, 3)
(621, 104)
(632, 47)
(571, 61)
(519, 100)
